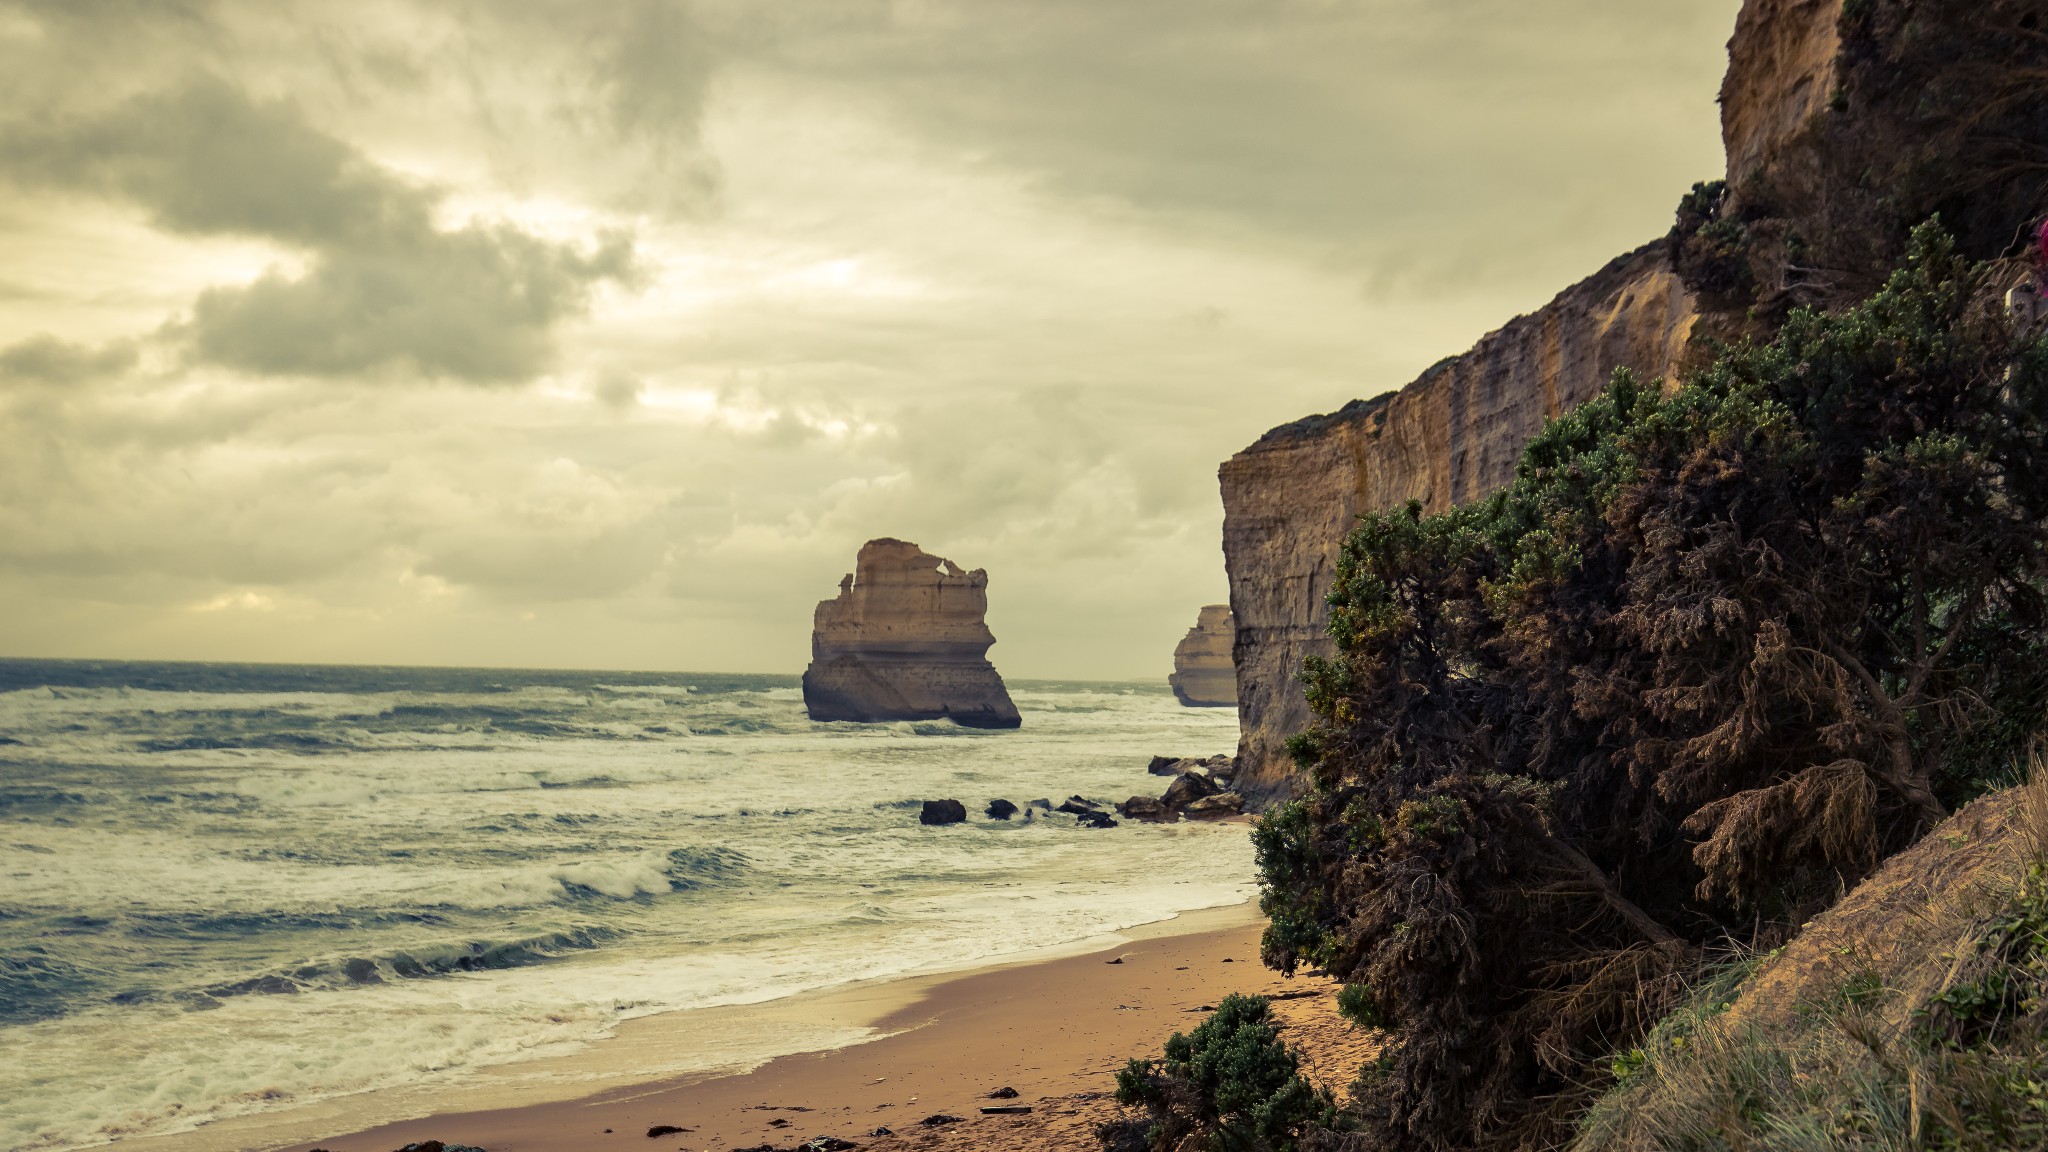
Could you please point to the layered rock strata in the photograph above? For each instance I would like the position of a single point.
(1203, 675)
(1454, 434)
(1844, 125)
(905, 639)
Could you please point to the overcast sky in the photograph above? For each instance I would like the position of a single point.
(552, 332)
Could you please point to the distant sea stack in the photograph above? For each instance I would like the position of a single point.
(1203, 676)
(905, 640)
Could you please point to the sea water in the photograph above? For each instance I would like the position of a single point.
(229, 889)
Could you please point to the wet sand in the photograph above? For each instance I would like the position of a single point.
(1054, 1030)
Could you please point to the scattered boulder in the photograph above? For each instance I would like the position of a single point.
(826, 1144)
(1217, 765)
(1076, 805)
(1041, 803)
(942, 812)
(1187, 788)
(1003, 1094)
(1217, 807)
(882, 1132)
(1095, 820)
(665, 1130)
(1146, 808)
(1001, 809)
(937, 1119)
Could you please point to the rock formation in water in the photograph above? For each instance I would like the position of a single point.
(1844, 125)
(905, 640)
(1203, 674)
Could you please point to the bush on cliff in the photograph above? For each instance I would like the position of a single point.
(1702, 665)
(1230, 1083)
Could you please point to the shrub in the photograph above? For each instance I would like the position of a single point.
(1709, 658)
(1232, 1080)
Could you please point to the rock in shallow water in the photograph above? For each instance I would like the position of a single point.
(1188, 788)
(1146, 808)
(1203, 676)
(905, 640)
(1001, 809)
(942, 812)
(1217, 807)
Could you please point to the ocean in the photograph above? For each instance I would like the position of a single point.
(234, 889)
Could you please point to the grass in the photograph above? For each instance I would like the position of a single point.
(1927, 1049)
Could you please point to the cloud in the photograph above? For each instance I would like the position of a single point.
(385, 286)
(44, 359)
(1005, 277)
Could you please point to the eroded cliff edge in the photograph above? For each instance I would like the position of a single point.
(1203, 675)
(906, 639)
(1844, 125)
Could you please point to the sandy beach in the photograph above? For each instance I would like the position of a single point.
(1054, 1030)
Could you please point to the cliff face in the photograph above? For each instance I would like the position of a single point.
(1203, 675)
(1451, 436)
(905, 640)
(1844, 124)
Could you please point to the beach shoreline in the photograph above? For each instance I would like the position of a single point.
(1053, 1024)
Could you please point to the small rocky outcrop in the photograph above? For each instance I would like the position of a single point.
(1001, 809)
(905, 639)
(1194, 794)
(1203, 676)
(1187, 788)
(1220, 767)
(942, 812)
(1146, 808)
(1095, 820)
(1217, 807)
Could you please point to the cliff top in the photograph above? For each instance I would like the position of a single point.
(1612, 277)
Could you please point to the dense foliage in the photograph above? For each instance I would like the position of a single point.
(1708, 659)
(1231, 1084)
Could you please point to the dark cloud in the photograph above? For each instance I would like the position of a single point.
(386, 287)
(44, 359)
(478, 303)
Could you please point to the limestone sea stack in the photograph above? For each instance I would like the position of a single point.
(1203, 676)
(905, 639)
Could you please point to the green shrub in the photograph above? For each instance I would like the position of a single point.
(1712, 655)
(1231, 1079)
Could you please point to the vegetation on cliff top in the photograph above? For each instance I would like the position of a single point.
(1708, 660)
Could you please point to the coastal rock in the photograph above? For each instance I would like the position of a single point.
(942, 812)
(1451, 436)
(1188, 788)
(1077, 806)
(1219, 767)
(1203, 675)
(1146, 808)
(1843, 127)
(1220, 806)
(1001, 809)
(1095, 820)
(905, 639)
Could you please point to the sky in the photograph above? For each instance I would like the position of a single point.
(548, 333)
